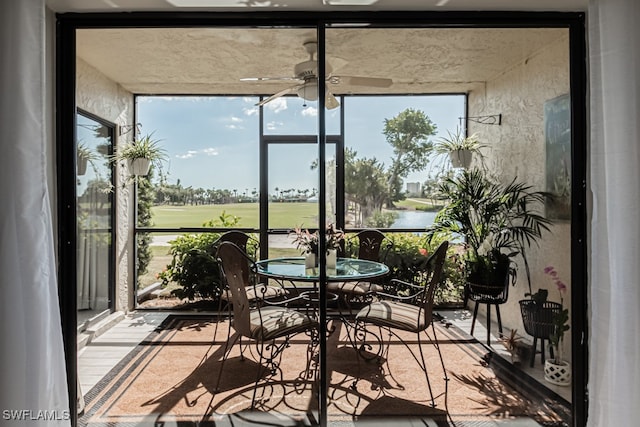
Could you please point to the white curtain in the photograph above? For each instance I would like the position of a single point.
(614, 51)
(32, 371)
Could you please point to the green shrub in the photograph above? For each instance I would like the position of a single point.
(407, 258)
(194, 266)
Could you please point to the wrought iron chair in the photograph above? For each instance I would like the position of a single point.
(373, 245)
(241, 240)
(411, 313)
(270, 327)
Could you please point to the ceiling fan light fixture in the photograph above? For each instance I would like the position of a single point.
(309, 91)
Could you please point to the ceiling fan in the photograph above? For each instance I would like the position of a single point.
(306, 73)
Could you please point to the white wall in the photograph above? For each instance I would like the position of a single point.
(106, 99)
(517, 149)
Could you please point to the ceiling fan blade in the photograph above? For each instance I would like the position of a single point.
(278, 95)
(362, 81)
(330, 101)
(267, 79)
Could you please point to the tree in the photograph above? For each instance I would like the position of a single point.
(408, 134)
(365, 184)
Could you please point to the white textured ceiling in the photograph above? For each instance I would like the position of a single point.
(212, 61)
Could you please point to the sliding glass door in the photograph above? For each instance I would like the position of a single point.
(95, 219)
(348, 124)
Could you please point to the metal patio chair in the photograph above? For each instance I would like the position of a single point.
(269, 327)
(373, 245)
(411, 313)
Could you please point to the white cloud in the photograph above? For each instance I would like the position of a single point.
(251, 111)
(193, 153)
(310, 111)
(277, 105)
(188, 155)
(236, 119)
(274, 125)
(234, 127)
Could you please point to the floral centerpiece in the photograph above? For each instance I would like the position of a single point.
(308, 243)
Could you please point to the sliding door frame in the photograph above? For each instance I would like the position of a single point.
(67, 24)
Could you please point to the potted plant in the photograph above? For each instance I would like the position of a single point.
(459, 148)
(498, 222)
(308, 243)
(556, 369)
(84, 157)
(140, 154)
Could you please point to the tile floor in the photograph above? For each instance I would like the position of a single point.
(102, 353)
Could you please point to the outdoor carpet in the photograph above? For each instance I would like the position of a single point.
(170, 378)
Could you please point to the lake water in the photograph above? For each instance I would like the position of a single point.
(414, 219)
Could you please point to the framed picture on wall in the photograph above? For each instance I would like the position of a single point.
(557, 133)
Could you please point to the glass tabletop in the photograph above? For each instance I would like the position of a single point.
(346, 269)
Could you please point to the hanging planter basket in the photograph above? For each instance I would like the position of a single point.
(82, 163)
(461, 158)
(139, 166)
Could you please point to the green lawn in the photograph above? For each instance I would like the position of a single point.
(418, 203)
(282, 215)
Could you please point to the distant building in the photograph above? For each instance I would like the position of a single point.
(413, 188)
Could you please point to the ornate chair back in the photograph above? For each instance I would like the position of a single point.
(235, 266)
(434, 275)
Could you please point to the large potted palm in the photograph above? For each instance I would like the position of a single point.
(498, 222)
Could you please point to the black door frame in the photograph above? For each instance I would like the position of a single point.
(65, 135)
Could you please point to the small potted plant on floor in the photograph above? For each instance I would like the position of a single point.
(140, 154)
(459, 148)
(556, 369)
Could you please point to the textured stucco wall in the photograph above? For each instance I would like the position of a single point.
(517, 149)
(104, 98)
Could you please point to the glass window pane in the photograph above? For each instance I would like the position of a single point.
(95, 219)
(213, 147)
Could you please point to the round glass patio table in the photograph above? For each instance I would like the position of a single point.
(347, 269)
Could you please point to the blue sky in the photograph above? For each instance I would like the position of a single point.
(212, 142)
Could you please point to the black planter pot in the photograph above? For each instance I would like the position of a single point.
(492, 286)
(537, 318)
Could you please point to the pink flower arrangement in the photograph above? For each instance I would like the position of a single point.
(555, 277)
(423, 251)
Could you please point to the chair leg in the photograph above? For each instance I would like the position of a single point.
(542, 351)
(227, 349)
(499, 319)
(473, 321)
(423, 366)
(533, 351)
(489, 325)
(436, 344)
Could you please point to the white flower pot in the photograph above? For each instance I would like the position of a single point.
(82, 165)
(139, 166)
(310, 260)
(461, 158)
(557, 372)
(332, 259)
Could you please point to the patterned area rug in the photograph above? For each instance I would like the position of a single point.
(170, 380)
